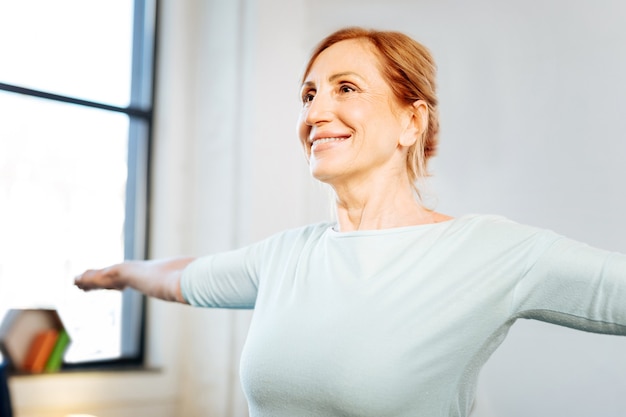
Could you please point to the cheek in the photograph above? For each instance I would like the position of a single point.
(360, 115)
(303, 130)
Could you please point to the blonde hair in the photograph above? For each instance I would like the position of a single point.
(410, 71)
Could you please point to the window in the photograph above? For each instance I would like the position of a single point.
(75, 120)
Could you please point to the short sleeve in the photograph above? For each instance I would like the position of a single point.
(223, 280)
(232, 279)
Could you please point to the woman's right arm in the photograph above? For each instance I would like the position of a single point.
(155, 278)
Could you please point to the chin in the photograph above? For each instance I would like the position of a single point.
(327, 177)
(321, 175)
(328, 169)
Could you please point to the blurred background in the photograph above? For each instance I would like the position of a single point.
(533, 106)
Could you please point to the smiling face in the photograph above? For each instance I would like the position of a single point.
(351, 126)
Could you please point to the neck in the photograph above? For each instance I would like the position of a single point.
(384, 207)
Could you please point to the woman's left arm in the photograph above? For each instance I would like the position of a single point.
(575, 285)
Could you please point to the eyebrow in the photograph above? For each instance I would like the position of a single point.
(334, 77)
(343, 74)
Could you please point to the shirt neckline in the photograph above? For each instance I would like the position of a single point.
(331, 231)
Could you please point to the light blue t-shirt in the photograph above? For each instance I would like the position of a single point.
(398, 322)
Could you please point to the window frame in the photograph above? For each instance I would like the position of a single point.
(136, 221)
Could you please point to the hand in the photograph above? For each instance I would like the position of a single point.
(154, 278)
(106, 278)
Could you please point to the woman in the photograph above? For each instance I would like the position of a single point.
(393, 309)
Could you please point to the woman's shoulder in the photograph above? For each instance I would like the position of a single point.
(499, 228)
(487, 221)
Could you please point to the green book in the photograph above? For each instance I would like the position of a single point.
(55, 360)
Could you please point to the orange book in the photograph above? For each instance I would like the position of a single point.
(40, 349)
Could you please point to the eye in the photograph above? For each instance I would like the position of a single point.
(308, 96)
(346, 88)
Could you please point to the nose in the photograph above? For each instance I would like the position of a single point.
(319, 110)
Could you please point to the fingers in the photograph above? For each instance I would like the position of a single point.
(86, 281)
(94, 279)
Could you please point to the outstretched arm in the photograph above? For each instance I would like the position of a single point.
(155, 278)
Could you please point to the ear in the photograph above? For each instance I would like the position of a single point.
(416, 123)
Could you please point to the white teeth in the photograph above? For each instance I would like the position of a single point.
(326, 140)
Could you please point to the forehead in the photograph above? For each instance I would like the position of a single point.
(353, 55)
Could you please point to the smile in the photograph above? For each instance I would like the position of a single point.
(322, 141)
